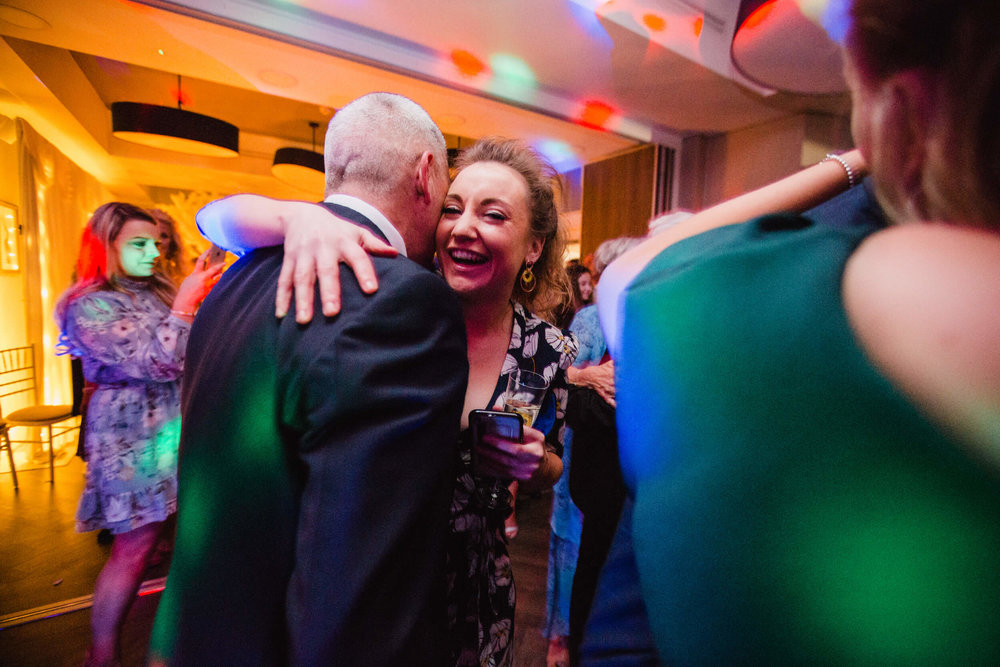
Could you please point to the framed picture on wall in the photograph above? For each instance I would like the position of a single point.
(10, 255)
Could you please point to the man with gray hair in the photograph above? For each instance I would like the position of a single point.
(317, 459)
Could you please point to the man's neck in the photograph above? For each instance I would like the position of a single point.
(382, 219)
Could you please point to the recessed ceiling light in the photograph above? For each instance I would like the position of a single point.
(278, 79)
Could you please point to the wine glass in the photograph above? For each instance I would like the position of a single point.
(525, 391)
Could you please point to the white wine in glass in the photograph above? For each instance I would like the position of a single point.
(525, 391)
(527, 411)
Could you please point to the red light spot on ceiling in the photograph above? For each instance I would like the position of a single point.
(595, 114)
(180, 96)
(654, 22)
(467, 64)
(758, 16)
(699, 23)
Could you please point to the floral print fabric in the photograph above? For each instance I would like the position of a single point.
(480, 583)
(133, 351)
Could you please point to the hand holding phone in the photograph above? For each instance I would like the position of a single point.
(216, 255)
(491, 422)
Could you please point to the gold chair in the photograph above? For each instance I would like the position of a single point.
(18, 379)
(5, 444)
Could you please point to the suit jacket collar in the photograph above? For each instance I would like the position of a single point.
(360, 211)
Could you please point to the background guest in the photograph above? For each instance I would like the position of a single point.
(594, 476)
(581, 280)
(128, 324)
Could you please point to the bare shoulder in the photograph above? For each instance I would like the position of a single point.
(924, 302)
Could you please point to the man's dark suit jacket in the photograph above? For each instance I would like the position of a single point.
(317, 465)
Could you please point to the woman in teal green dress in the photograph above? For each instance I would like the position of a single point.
(810, 417)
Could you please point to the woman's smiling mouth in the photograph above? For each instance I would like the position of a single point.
(465, 257)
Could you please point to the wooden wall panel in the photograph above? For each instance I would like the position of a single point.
(617, 197)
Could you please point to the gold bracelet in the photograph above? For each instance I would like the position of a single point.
(852, 178)
(181, 313)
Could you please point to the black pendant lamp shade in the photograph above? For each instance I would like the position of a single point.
(174, 129)
(301, 168)
(299, 157)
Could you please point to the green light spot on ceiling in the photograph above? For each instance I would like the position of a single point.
(513, 70)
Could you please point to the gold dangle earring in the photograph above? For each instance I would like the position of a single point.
(528, 283)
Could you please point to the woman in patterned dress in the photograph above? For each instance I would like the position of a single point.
(499, 248)
(498, 226)
(129, 325)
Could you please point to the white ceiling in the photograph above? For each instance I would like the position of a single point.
(658, 69)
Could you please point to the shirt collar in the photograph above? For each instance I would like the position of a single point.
(378, 219)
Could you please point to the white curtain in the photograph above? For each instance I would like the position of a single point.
(58, 198)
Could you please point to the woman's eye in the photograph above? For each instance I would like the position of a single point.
(451, 210)
(496, 215)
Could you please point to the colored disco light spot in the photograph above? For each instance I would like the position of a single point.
(654, 22)
(759, 15)
(596, 114)
(835, 19)
(512, 70)
(698, 24)
(559, 154)
(813, 9)
(180, 96)
(467, 64)
(586, 18)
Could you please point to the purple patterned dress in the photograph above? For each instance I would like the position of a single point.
(132, 348)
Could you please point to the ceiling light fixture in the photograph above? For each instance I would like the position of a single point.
(299, 167)
(174, 129)
(783, 45)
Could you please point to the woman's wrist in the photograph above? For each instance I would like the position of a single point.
(852, 164)
(186, 315)
(579, 376)
(548, 472)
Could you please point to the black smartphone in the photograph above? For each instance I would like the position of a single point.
(216, 255)
(505, 424)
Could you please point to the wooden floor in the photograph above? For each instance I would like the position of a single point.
(43, 562)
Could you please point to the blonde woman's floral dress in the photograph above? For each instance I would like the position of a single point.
(132, 349)
(480, 582)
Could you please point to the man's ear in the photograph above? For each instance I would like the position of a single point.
(422, 182)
